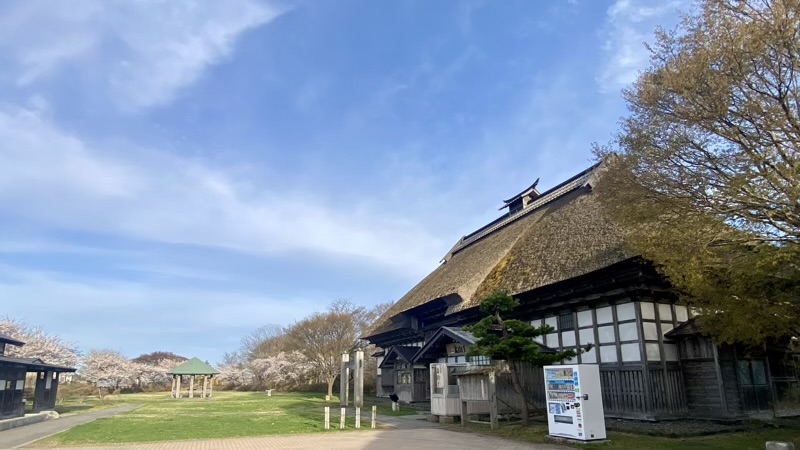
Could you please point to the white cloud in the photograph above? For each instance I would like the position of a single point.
(142, 52)
(60, 181)
(138, 317)
(629, 24)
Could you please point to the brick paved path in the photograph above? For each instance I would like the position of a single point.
(406, 432)
(419, 439)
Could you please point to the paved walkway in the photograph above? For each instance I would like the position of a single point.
(411, 432)
(421, 439)
(17, 437)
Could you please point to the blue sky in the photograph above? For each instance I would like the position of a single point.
(176, 173)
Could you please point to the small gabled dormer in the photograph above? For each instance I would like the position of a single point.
(522, 200)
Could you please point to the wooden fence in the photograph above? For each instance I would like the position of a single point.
(628, 393)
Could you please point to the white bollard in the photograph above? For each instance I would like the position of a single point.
(395, 406)
(774, 445)
(374, 416)
(327, 398)
(341, 419)
(358, 418)
(327, 417)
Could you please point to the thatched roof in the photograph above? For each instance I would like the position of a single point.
(561, 235)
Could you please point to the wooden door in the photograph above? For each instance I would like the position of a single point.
(752, 375)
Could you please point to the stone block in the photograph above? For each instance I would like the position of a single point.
(774, 445)
(433, 418)
(447, 419)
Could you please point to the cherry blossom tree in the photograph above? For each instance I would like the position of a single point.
(151, 368)
(284, 370)
(235, 374)
(38, 344)
(107, 368)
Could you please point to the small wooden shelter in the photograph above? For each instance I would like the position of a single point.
(192, 369)
(488, 390)
(13, 373)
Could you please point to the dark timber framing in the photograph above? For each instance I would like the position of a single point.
(562, 258)
(13, 374)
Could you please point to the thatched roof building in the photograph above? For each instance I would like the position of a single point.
(559, 234)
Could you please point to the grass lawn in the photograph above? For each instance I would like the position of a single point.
(751, 440)
(387, 411)
(228, 414)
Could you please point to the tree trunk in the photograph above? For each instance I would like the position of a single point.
(515, 381)
(330, 386)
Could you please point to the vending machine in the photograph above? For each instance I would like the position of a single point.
(574, 402)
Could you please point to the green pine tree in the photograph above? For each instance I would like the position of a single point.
(512, 341)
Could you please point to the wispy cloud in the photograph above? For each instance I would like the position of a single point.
(629, 25)
(141, 52)
(50, 175)
(158, 314)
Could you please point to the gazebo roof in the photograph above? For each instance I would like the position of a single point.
(193, 367)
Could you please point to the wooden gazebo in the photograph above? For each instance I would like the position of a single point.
(192, 368)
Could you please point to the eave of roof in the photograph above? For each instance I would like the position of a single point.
(193, 367)
(454, 333)
(35, 364)
(4, 338)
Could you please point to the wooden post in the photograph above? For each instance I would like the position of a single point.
(327, 417)
(344, 379)
(358, 380)
(191, 386)
(172, 390)
(463, 414)
(205, 385)
(358, 417)
(374, 416)
(179, 387)
(341, 419)
(493, 400)
(211, 386)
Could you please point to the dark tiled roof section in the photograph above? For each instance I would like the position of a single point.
(405, 352)
(4, 338)
(34, 364)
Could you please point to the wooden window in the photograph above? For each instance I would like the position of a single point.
(438, 375)
(606, 334)
(585, 318)
(628, 332)
(648, 311)
(608, 353)
(653, 352)
(626, 311)
(681, 313)
(587, 336)
(404, 377)
(566, 322)
(479, 360)
(604, 315)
